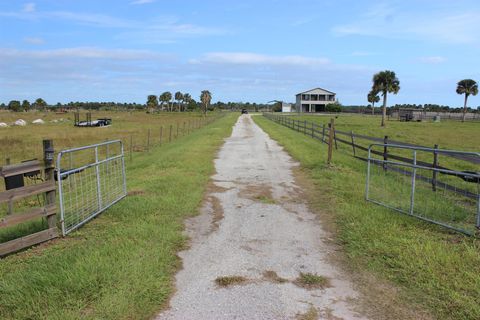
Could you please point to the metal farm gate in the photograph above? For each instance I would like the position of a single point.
(434, 185)
(90, 180)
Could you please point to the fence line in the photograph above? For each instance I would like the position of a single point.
(430, 173)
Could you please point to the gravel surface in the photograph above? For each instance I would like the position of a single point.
(255, 221)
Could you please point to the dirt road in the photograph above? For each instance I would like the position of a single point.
(254, 239)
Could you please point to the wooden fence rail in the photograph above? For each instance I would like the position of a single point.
(14, 181)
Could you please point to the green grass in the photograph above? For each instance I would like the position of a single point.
(312, 281)
(120, 265)
(434, 267)
(448, 134)
(228, 281)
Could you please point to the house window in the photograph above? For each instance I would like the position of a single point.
(305, 97)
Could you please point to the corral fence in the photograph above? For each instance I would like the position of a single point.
(458, 184)
(90, 180)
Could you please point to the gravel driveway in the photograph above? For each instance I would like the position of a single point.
(254, 239)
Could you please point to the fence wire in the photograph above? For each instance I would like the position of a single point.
(90, 179)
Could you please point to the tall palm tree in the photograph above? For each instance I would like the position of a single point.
(152, 102)
(165, 98)
(467, 87)
(186, 99)
(179, 97)
(373, 97)
(206, 98)
(385, 82)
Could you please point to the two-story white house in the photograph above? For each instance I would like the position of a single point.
(314, 100)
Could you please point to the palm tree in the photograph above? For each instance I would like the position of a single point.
(152, 102)
(186, 99)
(373, 97)
(39, 104)
(467, 87)
(178, 97)
(385, 82)
(206, 98)
(165, 98)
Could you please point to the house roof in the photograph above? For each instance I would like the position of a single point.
(317, 91)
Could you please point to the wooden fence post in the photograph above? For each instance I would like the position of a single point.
(335, 138)
(330, 140)
(353, 143)
(385, 152)
(434, 166)
(10, 203)
(50, 198)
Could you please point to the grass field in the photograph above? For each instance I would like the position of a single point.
(120, 265)
(433, 267)
(20, 143)
(448, 134)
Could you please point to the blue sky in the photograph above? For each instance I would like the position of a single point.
(82, 50)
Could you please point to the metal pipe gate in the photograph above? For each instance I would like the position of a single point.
(90, 180)
(412, 187)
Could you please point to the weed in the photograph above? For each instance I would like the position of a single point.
(312, 281)
(272, 276)
(228, 281)
(311, 314)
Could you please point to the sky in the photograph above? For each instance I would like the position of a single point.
(257, 51)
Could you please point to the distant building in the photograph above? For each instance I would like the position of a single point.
(314, 100)
(286, 107)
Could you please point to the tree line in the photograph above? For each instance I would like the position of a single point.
(183, 102)
(25, 105)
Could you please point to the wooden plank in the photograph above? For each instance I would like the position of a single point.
(19, 193)
(20, 168)
(27, 241)
(23, 217)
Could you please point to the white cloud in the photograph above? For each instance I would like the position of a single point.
(446, 26)
(163, 29)
(247, 58)
(34, 40)
(432, 59)
(83, 53)
(91, 19)
(142, 1)
(29, 7)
